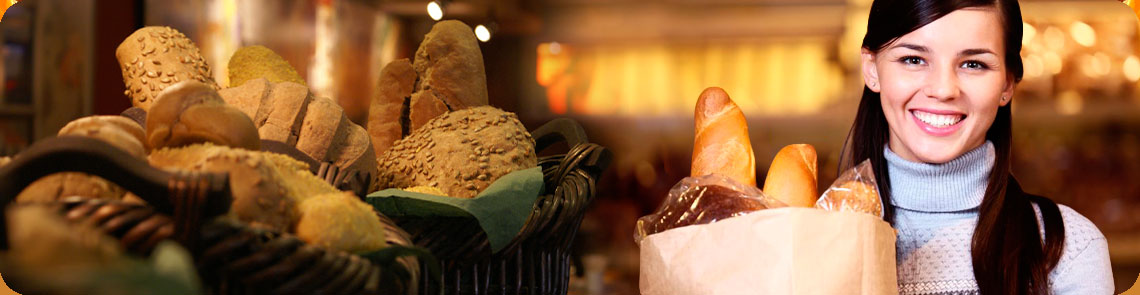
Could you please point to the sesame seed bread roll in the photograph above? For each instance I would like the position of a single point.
(792, 176)
(721, 145)
(153, 58)
(460, 153)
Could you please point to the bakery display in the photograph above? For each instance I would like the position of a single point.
(192, 112)
(721, 145)
(153, 58)
(446, 75)
(792, 176)
(260, 176)
(460, 153)
(256, 61)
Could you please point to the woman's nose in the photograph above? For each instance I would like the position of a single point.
(942, 84)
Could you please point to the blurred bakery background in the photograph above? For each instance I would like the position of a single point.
(630, 71)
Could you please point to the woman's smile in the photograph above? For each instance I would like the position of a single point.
(937, 122)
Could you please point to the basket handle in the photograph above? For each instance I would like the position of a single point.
(569, 131)
(189, 196)
(558, 130)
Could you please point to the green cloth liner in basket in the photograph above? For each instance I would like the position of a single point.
(501, 209)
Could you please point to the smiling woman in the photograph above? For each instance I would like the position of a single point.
(935, 120)
(940, 84)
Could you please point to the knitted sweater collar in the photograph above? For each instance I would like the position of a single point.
(953, 186)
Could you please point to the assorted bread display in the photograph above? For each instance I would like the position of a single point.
(430, 130)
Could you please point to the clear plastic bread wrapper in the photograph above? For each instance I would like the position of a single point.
(702, 200)
(854, 191)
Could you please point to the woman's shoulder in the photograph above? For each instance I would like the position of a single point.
(1078, 228)
(1084, 267)
(1081, 236)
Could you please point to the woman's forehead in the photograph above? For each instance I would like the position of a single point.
(961, 30)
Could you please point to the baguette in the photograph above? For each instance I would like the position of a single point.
(722, 145)
(792, 176)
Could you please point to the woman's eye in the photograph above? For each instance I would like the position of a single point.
(974, 65)
(911, 60)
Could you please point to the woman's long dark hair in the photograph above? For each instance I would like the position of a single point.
(1007, 251)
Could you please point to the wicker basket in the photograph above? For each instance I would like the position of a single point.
(537, 260)
(231, 258)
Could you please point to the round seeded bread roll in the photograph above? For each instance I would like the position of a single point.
(460, 153)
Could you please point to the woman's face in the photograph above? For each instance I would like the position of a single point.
(941, 85)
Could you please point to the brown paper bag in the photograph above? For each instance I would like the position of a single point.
(773, 251)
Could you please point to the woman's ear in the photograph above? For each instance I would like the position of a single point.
(870, 70)
(1007, 92)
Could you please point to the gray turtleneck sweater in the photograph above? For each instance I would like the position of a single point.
(936, 207)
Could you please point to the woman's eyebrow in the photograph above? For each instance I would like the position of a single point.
(914, 47)
(975, 51)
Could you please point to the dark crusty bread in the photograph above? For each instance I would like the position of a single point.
(450, 66)
(388, 112)
(447, 75)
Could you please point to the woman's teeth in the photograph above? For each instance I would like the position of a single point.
(937, 120)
